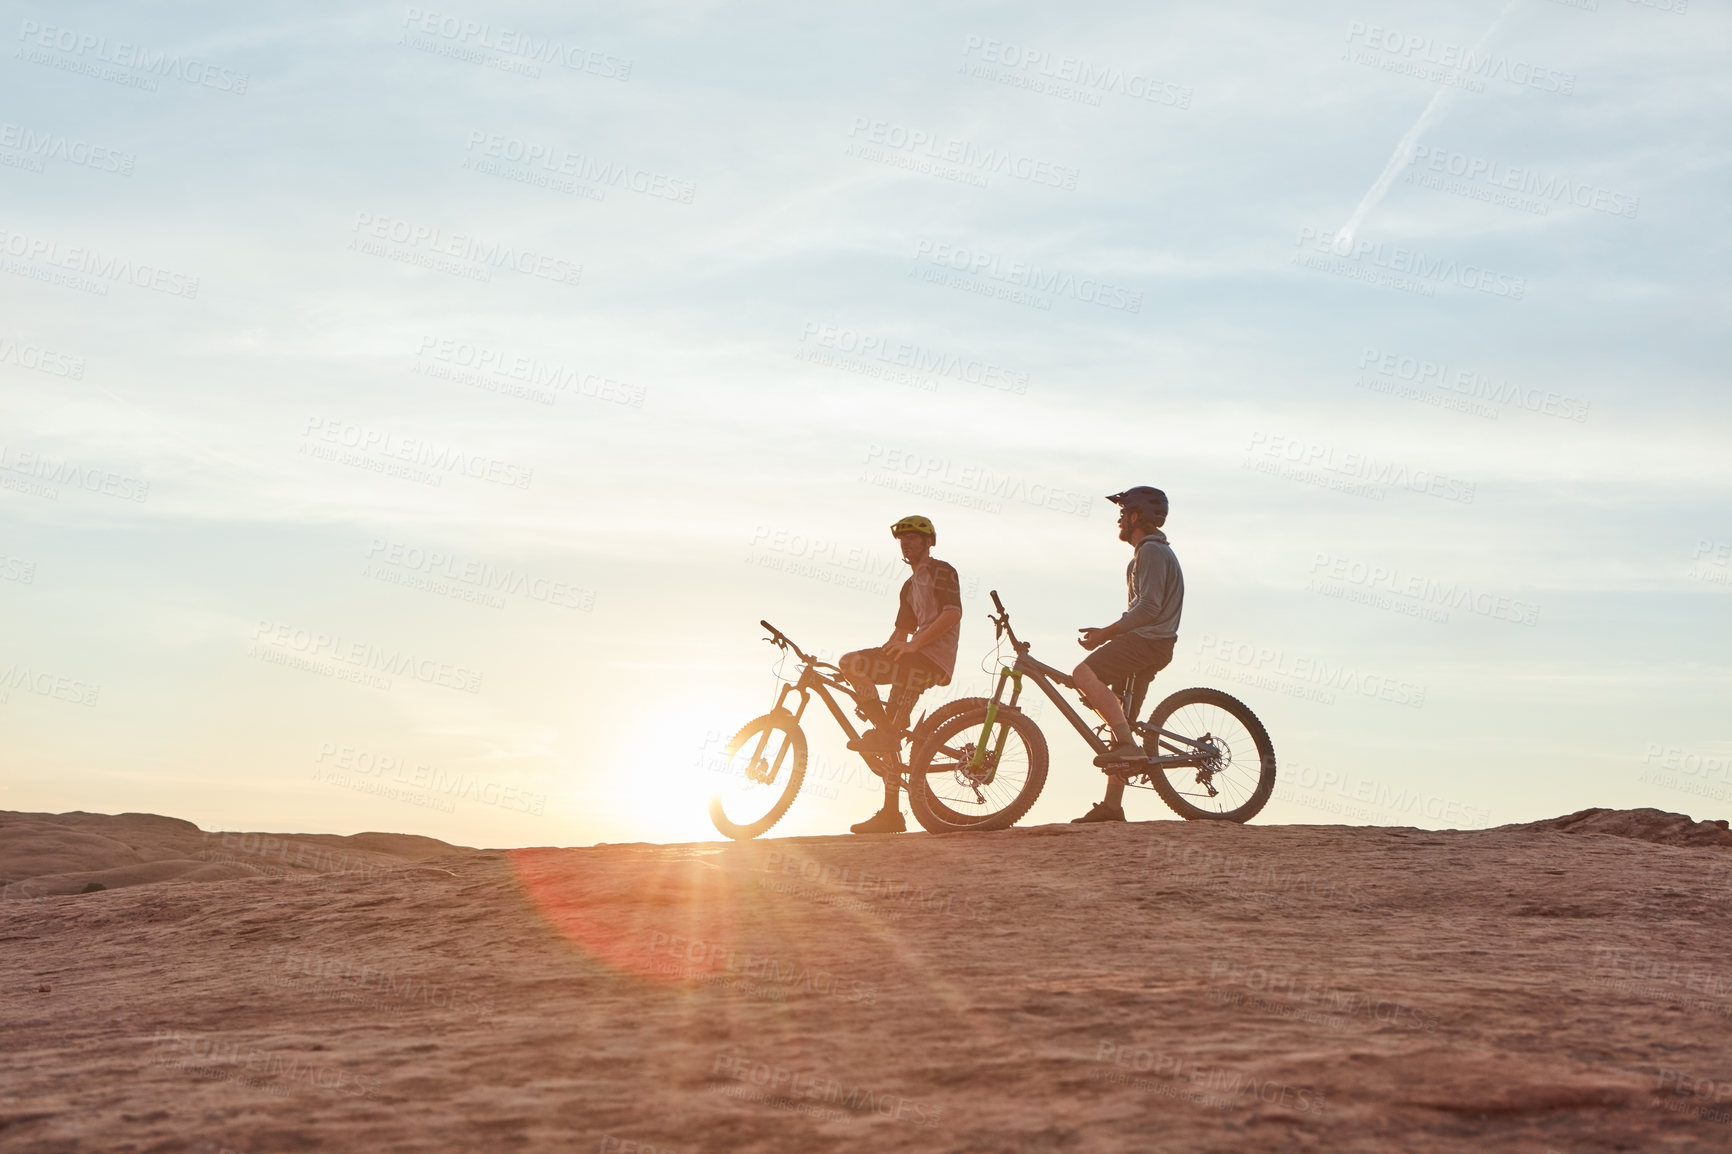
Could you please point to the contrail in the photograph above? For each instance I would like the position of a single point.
(1404, 150)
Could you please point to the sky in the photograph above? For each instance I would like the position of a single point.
(543, 350)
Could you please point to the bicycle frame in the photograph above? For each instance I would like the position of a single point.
(1044, 675)
(812, 680)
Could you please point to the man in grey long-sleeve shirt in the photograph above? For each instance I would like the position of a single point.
(1130, 651)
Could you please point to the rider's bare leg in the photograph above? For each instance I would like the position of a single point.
(1103, 701)
(900, 707)
(892, 791)
(857, 671)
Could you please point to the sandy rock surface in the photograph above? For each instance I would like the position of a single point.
(42, 854)
(1154, 986)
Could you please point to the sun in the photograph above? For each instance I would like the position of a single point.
(662, 777)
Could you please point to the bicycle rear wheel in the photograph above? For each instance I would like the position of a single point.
(761, 770)
(883, 763)
(949, 792)
(1235, 782)
(924, 728)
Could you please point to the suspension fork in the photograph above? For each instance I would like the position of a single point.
(764, 737)
(1015, 677)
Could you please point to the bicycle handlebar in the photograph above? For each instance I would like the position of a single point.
(1002, 623)
(782, 639)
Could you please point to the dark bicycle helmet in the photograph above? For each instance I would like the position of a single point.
(1146, 501)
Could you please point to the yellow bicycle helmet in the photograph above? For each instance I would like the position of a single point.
(914, 525)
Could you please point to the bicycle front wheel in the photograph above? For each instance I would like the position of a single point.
(1238, 773)
(761, 771)
(968, 776)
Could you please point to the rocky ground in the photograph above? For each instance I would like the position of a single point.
(1153, 986)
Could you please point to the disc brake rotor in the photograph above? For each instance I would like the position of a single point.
(1215, 762)
(969, 776)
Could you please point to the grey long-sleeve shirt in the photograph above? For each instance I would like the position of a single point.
(1156, 590)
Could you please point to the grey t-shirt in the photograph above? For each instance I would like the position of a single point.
(927, 592)
(1155, 589)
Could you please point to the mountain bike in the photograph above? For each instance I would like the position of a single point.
(1209, 758)
(765, 762)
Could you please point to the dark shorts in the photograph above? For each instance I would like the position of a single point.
(911, 671)
(1130, 662)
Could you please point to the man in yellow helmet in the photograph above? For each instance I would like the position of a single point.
(920, 653)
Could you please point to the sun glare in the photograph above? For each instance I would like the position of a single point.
(667, 771)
